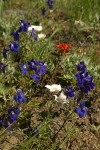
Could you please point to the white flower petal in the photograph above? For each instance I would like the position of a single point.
(79, 23)
(61, 98)
(36, 28)
(54, 87)
(41, 36)
(55, 97)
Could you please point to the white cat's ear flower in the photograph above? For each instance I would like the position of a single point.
(61, 98)
(54, 87)
(51, 11)
(36, 28)
(79, 23)
(41, 36)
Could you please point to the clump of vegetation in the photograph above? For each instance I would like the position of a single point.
(49, 74)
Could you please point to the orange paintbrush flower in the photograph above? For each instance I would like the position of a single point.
(64, 47)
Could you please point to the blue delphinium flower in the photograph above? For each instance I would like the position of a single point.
(69, 92)
(36, 77)
(6, 124)
(88, 80)
(5, 53)
(32, 64)
(85, 82)
(50, 4)
(19, 97)
(79, 77)
(81, 67)
(38, 63)
(81, 110)
(38, 67)
(14, 109)
(14, 47)
(41, 70)
(33, 34)
(42, 66)
(11, 118)
(2, 66)
(23, 26)
(24, 68)
(16, 35)
(1, 123)
(43, 11)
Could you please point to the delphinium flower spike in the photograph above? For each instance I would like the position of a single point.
(82, 109)
(43, 11)
(69, 92)
(33, 34)
(2, 66)
(14, 47)
(38, 67)
(23, 26)
(36, 77)
(5, 53)
(11, 118)
(84, 81)
(16, 35)
(19, 96)
(50, 4)
(42, 68)
(81, 67)
(24, 68)
(32, 64)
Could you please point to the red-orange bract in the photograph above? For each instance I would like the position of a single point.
(64, 47)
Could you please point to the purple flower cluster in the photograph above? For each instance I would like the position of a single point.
(23, 28)
(16, 35)
(19, 96)
(50, 4)
(43, 11)
(33, 34)
(2, 67)
(38, 67)
(69, 92)
(5, 53)
(81, 110)
(14, 45)
(13, 112)
(11, 118)
(24, 68)
(84, 81)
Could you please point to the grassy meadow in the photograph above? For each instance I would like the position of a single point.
(31, 116)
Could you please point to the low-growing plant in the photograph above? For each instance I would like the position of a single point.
(44, 86)
(68, 65)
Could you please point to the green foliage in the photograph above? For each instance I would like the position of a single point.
(64, 12)
(68, 65)
(1, 9)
